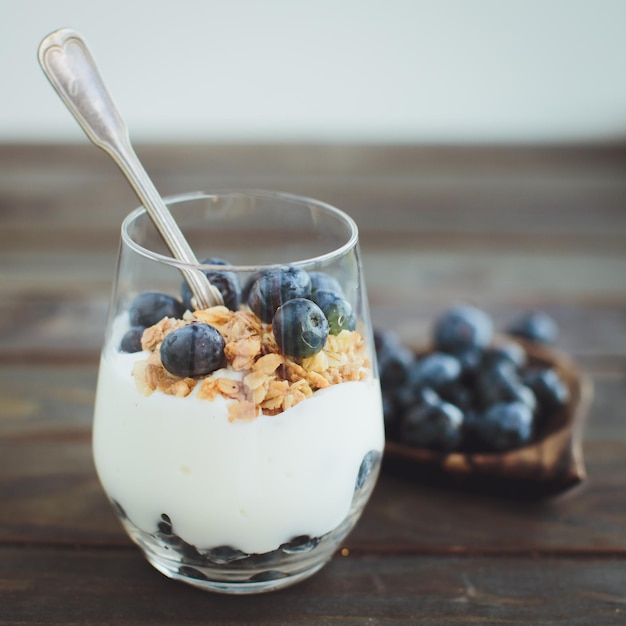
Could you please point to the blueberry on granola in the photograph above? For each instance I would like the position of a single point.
(131, 341)
(336, 309)
(226, 282)
(322, 280)
(193, 350)
(274, 288)
(151, 307)
(300, 328)
(247, 285)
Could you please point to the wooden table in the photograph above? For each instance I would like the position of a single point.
(505, 228)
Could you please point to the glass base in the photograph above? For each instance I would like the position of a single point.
(226, 569)
(236, 588)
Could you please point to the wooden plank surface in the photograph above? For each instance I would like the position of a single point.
(114, 587)
(505, 228)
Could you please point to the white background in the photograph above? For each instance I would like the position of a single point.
(330, 70)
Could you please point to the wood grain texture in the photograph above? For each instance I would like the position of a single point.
(508, 228)
(117, 587)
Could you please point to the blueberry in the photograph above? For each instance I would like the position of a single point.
(268, 575)
(504, 352)
(406, 396)
(226, 282)
(470, 360)
(462, 327)
(505, 426)
(435, 425)
(165, 532)
(165, 525)
(337, 311)
(536, 326)
(394, 360)
(551, 392)
(501, 383)
(524, 394)
(151, 307)
(273, 288)
(193, 350)
(322, 280)
(247, 286)
(131, 341)
(192, 572)
(435, 370)
(300, 544)
(459, 394)
(368, 465)
(300, 328)
(224, 554)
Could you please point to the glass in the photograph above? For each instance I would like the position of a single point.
(239, 444)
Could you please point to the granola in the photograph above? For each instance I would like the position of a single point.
(270, 381)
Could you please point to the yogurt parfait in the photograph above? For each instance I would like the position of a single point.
(239, 443)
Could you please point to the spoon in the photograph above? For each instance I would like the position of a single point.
(69, 66)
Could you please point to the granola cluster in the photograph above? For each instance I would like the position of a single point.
(268, 381)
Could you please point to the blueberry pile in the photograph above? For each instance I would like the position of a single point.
(469, 393)
(302, 307)
(192, 557)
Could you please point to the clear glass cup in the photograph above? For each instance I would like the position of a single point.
(239, 444)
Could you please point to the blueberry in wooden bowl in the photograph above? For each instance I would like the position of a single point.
(497, 413)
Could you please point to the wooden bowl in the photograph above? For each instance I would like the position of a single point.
(552, 463)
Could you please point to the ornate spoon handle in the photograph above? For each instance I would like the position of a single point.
(69, 66)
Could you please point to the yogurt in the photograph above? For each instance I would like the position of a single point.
(252, 485)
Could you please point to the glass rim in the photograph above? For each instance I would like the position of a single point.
(180, 198)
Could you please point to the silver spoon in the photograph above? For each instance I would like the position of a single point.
(69, 66)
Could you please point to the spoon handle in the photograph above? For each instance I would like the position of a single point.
(69, 66)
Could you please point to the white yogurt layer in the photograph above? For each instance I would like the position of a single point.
(252, 485)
